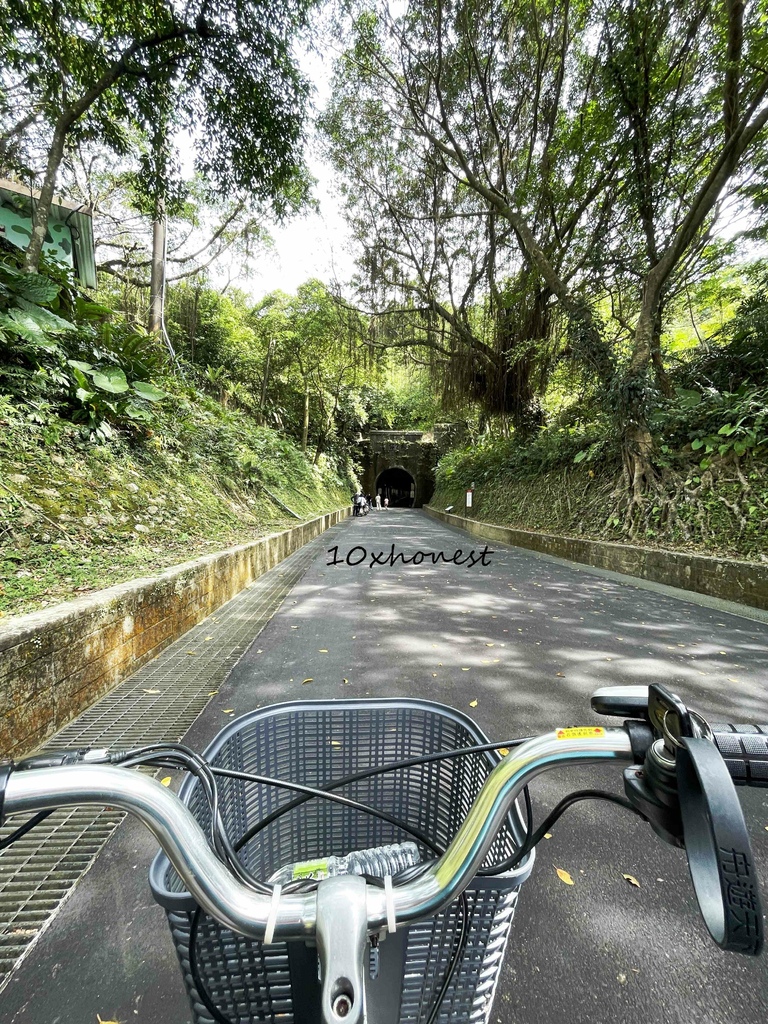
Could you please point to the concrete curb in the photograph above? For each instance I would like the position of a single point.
(56, 662)
(726, 579)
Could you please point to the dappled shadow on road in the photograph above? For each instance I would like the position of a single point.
(519, 645)
(529, 636)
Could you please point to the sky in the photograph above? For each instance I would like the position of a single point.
(311, 245)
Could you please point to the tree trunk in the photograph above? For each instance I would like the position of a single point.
(263, 399)
(157, 276)
(43, 207)
(305, 421)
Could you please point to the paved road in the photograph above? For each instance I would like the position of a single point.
(528, 638)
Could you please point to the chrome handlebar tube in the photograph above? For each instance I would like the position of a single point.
(238, 907)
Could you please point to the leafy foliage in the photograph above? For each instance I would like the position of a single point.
(62, 353)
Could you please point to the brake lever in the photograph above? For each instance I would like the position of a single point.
(717, 845)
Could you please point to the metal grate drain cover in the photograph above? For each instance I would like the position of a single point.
(158, 703)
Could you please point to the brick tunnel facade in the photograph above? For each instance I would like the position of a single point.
(399, 465)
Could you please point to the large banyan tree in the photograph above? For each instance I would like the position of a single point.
(532, 178)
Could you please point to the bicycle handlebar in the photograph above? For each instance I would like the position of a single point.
(294, 915)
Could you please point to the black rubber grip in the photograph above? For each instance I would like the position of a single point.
(744, 748)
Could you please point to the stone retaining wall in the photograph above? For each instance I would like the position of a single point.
(55, 663)
(727, 578)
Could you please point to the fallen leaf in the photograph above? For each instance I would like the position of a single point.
(322, 650)
(434, 675)
(294, 627)
(335, 743)
(473, 703)
(151, 691)
(305, 681)
(622, 979)
(490, 645)
(209, 638)
(166, 781)
(632, 880)
(564, 876)
(345, 681)
(561, 675)
(102, 1021)
(192, 652)
(465, 670)
(503, 751)
(212, 693)
(547, 835)
(721, 652)
(228, 711)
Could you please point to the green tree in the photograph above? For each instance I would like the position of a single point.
(590, 130)
(93, 69)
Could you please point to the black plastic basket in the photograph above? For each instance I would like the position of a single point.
(313, 742)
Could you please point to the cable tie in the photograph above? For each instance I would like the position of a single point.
(272, 919)
(389, 896)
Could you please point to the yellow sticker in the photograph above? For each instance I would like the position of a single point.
(584, 732)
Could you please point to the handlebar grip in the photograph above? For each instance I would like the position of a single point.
(744, 748)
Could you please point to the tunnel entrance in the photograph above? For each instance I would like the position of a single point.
(398, 485)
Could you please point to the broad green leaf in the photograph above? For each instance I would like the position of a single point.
(84, 396)
(688, 398)
(111, 379)
(136, 412)
(79, 365)
(697, 443)
(47, 320)
(36, 288)
(148, 391)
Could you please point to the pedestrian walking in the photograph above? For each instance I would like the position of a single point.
(386, 503)
(378, 499)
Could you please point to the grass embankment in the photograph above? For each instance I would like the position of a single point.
(77, 516)
(719, 511)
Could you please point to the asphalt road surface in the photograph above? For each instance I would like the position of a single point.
(528, 638)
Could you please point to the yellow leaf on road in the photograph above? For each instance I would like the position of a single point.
(322, 650)
(473, 703)
(102, 1021)
(632, 880)
(166, 781)
(305, 681)
(212, 693)
(345, 681)
(228, 711)
(194, 653)
(547, 835)
(503, 751)
(564, 876)
(465, 670)
(209, 638)
(490, 645)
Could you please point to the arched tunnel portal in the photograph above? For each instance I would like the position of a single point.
(400, 464)
(398, 486)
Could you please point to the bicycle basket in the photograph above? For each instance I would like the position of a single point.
(313, 742)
